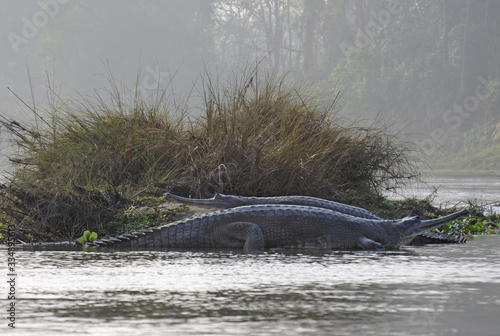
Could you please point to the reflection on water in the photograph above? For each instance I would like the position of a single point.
(432, 290)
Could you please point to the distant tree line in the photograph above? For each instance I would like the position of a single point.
(410, 59)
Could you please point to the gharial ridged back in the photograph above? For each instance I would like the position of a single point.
(298, 200)
(282, 225)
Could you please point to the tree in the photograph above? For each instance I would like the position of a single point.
(474, 57)
(446, 31)
(312, 10)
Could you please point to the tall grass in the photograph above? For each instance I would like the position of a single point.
(258, 135)
(265, 137)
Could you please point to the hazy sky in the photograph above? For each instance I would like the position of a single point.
(74, 43)
(77, 45)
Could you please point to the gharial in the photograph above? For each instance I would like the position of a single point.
(257, 227)
(222, 201)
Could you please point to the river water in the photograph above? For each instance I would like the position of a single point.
(429, 290)
(452, 191)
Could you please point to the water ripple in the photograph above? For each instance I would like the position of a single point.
(430, 290)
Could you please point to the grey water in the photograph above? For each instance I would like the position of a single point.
(430, 290)
(451, 191)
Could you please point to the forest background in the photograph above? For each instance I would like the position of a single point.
(430, 69)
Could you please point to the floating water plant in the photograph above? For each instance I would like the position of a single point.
(87, 237)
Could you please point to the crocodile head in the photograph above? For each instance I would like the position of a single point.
(401, 232)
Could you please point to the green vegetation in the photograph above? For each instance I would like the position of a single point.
(480, 220)
(90, 164)
(87, 237)
(483, 224)
(3, 231)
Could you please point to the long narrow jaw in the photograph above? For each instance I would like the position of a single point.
(434, 223)
(213, 202)
(415, 226)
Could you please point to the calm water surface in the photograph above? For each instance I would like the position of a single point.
(432, 290)
(454, 191)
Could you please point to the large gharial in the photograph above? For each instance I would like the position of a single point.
(257, 227)
(222, 201)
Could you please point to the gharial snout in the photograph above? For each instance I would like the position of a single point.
(211, 202)
(420, 226)
(432, 223)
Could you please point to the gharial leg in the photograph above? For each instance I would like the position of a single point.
(245, 235)
(369, 244)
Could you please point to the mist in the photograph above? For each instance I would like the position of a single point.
(431, 69)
